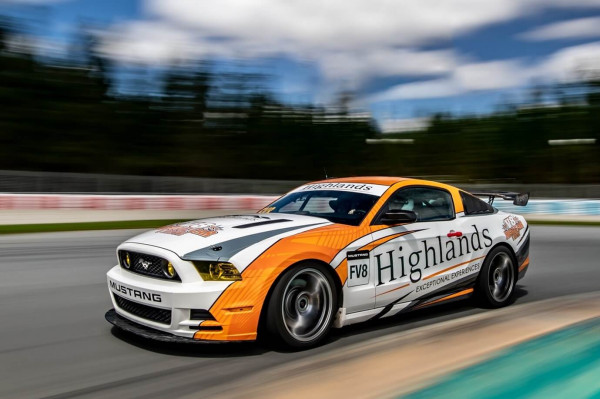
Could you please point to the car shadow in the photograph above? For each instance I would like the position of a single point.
(338, 337)
(204, 349)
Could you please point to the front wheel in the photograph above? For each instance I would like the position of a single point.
(302, 306)
(496, 281)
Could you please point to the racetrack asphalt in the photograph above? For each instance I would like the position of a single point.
(54, 341)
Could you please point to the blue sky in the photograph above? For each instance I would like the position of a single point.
(403, 59)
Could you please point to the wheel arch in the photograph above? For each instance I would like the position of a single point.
(326, 267)
(510, 250)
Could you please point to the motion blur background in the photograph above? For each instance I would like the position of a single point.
(104, 99)
(461, 90)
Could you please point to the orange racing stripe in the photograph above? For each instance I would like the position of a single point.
(372, 245)
(394, 289)
(524, 265)
(452, 267)
(455, 295)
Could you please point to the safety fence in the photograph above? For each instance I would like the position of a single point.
(239, 202)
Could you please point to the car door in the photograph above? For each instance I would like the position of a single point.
(407, 258)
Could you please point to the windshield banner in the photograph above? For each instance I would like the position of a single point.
(373, 189)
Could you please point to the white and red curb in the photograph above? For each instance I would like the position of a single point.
(130, 202)
(240, 202)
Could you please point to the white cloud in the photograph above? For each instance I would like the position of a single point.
(149, 43)
(571, 63)
(387, 62)
(565, 65)
(573, 29)
(355, 30)
(350, 41)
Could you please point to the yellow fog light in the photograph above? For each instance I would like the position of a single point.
(169, 270)
(218, 271)
(125, 259)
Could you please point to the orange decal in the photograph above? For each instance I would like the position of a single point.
(524, 265)
(342, 271)
(201, 229)
(461, 293)
(512, 227)
(452, 267)
(321, 244)
(397, 288)
(383, 240)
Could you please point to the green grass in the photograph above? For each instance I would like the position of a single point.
(53, 227)
(148, 224)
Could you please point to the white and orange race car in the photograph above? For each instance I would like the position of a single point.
(327, 254)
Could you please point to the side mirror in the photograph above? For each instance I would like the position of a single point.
(397, 217)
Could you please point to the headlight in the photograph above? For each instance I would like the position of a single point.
(218, 271)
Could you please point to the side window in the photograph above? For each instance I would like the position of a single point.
(429, 204)
(475, 206)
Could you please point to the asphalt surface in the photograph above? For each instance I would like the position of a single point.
(54, 341)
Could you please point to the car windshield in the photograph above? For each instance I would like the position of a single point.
(335, 206)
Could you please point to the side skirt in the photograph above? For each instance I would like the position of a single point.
(462, 289)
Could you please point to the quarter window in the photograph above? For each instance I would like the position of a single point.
(475, 206)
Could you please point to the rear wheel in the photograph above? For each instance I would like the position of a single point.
(496, 281)
(302, 306)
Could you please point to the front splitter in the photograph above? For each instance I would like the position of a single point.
(149, 333)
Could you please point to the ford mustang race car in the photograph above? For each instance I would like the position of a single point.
(327, 254)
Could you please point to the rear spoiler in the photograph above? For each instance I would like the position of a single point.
(519, 199)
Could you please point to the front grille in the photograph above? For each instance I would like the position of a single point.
(162, 316)
(148, 265)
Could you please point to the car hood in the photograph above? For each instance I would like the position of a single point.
(219, 238)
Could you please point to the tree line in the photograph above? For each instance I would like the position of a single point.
(68, 115)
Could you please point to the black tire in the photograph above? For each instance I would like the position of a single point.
(495, 285)
(302, 306)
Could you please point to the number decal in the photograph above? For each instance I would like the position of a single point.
(358, 268)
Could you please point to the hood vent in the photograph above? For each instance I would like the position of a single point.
(255, 224)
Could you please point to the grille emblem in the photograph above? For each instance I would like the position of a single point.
(144, 263)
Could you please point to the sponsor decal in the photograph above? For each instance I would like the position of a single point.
(135, 293)
(201, 229)
(346, 186)
(396, 263)
(512, 227)
(267, 209)
(374, 189)
(449, 277)
(358, 268)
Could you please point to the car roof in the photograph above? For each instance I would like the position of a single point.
(388, 181)
(383, 180)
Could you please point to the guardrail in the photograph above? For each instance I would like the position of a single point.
(67, 183)
(239, 202)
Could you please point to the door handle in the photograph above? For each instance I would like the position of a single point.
(453, 233)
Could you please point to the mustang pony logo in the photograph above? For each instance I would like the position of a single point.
(144, 263)
(512, 227)
(199, 229)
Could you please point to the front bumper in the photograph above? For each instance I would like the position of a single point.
(176, 299)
